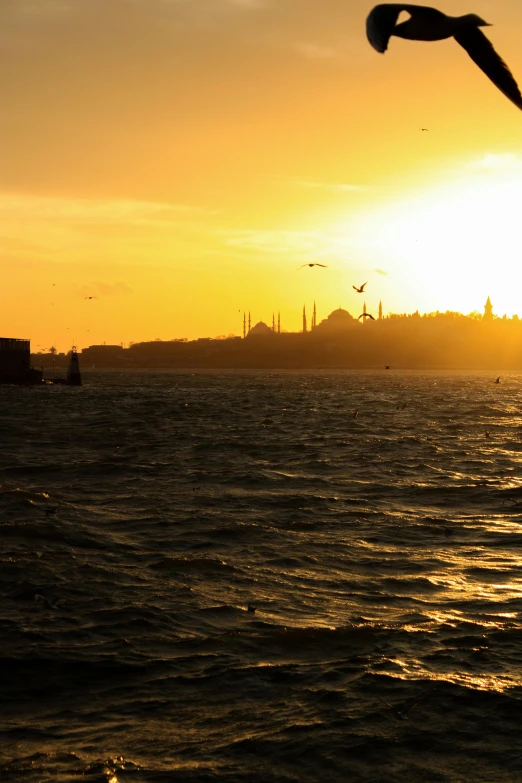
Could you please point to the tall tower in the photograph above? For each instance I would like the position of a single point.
(488, 311)
(244, 324)
(249, 322)
(314, 317)
(380, 311)
(304, 319)
(364, 311)
(273, 322)
(279, 322)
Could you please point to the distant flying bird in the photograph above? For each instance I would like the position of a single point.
(403, 711)
(428, 24)
(46, 603)
(487, 433)
(424, 129)
(366, 315)
(361, 289)
(90, 297)
(498, 379)
(323, 265)
(387, 366)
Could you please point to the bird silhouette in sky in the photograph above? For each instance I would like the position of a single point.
(90, 297)
(424, 129)
(429, 24)
(361, 289)
(366, 315)
(316, 264)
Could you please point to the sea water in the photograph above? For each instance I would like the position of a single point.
(371, 520)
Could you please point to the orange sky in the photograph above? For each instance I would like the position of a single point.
(178, 159)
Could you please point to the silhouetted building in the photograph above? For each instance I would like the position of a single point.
(304, 320)
(260, 330)
(488, 310)
(73, 371)
(338, 321)
(380, 311)
(15, 362)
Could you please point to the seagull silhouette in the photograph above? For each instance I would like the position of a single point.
(323, 265)
(90, 297)
(428, 24)
(498, 379)
(361, 289)
(366, 315)
(403, 711)
(46, 602)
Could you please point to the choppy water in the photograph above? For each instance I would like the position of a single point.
(383, 554)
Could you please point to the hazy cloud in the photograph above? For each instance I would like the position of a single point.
(104, 289)
(315, 51)
(493, 161)
(341, 187)
(273, 241)
(90, 210)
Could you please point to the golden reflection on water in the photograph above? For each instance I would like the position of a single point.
(412, 671)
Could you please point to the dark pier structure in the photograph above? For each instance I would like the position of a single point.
(15, 362)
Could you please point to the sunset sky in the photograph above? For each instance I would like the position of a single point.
(179, 159)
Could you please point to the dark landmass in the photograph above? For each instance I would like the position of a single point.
(435, 341)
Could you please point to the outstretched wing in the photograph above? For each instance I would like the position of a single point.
(380, 23)
(382, 20)
(481, 51)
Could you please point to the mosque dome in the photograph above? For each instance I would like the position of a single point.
(337, 321)
(260, 330)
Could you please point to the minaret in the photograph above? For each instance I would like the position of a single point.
(279, 322)
(488, 311)
(249, 323)
(244, 324)
(304, 319)
(364, 311)
(314, 317)
(273, 322)
(380, 311)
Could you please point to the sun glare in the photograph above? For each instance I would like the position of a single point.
(448, 246)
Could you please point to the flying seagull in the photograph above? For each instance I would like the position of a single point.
(361, 289)
(90, 297)
(498, 379)
(366, 315)
(428, 24)
(48, 604)
(323, 265)
(402, 712)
